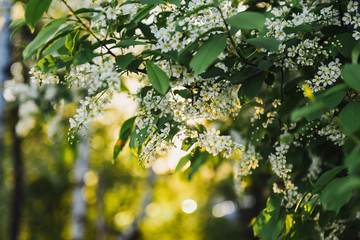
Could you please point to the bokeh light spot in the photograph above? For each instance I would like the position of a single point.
(188, 206)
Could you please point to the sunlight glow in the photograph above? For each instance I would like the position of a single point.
(224, 208)
(188, 206)
(153, 209)
(122, 219)
(191, 122)
(91, 178)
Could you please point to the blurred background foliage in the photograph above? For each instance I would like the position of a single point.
(122, 200)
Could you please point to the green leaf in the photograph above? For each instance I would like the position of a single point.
(84, 56)
(334, 195)
(185, 93)
(268, 227)
(44, 35)
(273, 205)
(208, 53)
(187, 143)
(47, 64)
(151, 1)
(250, 88)
(157, 77)
(34, 11)
(71, 41)
(54, 46)
(308, 208)
(355, 53)
(352, 162)
(348, 118)
(289, 223)
(303, 28)
(248, 20)
(143, 13)
(270, 44)
(328, 175)
(333, 97)
(51, 64)
(149, 52)
(351, 75)
(310, 112)
(86, 10)
(130, 42)
(59, 37)
(347, 44)
(183, 161)
(241, 76)
(16, 23)
(124, 60)
(124, 135)
(175, 2)
(197, 160)
(183, 53)
(260, 221)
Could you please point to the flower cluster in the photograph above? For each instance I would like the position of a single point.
(260, 111)
(215, 144)
(248, 161)
(88, 111)
(332, 130)
(278, 161)
(43, 78)
(283, 170)
(315, 166)
(326, 76)
(96, 79)
(106, 15)
(352, 18)
(156, 143)
(190, 28)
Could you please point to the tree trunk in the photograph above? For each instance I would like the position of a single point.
(132, 232)
(79, 204)
(4, 67)
(17, 193)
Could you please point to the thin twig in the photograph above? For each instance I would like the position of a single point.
(282, 85)
(87, 28)
(341, 12)
(237, 52)
(93, 34)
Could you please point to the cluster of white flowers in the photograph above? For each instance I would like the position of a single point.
(315, 166)
(332, 230)
(43, 78)
(276, 25)
(156, 144)
(332, 130)
(303, 53)
(88, 111)
(291, 194)
(215, 144)
(282, 170)
(260, 111)
(94, 77)
(248, 161)
(28, 95)
(106, 15)
(326, 76)
(99, 79)
(212, 101)
(190, 27)
(352, 18)
(278, 161)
